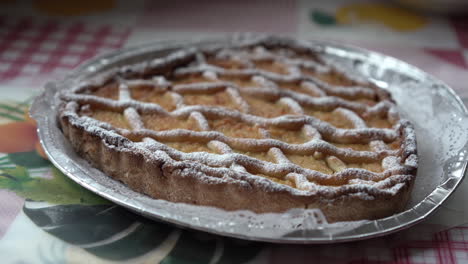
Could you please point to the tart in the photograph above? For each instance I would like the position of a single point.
(266, 125)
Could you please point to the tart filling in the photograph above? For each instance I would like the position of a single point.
(264, 125)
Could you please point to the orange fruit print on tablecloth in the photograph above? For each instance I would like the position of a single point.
(20, 136)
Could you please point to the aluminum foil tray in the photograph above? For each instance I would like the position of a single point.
(439, 116)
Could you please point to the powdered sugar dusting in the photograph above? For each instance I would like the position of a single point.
(313, 88)
(356, 120)
(267, 66)
(133, 118)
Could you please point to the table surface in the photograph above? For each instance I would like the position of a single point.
(46, 218)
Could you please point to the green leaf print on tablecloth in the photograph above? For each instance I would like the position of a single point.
(28, 159)
(13, 111)
(322, 18)
(370, 13)
(94, 229)
(106, 231)
(197, 247)
(103, 233)
(58, 190)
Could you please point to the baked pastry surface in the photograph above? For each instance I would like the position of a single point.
(265, 125)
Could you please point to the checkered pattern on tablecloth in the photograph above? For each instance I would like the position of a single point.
(445, 247)
(417, 245)
(31, 47)
(460, 26)
(457, 56)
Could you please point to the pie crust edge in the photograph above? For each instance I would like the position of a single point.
(162, 180)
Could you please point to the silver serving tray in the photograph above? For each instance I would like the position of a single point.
(436, 111)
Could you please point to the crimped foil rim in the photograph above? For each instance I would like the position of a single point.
(45, 116)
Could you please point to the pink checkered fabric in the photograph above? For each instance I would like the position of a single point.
(31, 47)
(450, 246)
(417, 245)
(460, 26)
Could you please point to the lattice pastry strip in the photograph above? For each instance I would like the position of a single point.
(333, 162)
(289, 125)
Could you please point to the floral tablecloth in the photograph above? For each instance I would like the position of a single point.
(47, 218)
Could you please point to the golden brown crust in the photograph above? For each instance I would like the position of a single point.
(162, 181)
(109, 133)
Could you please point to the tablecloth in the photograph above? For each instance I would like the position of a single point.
(47, 218)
